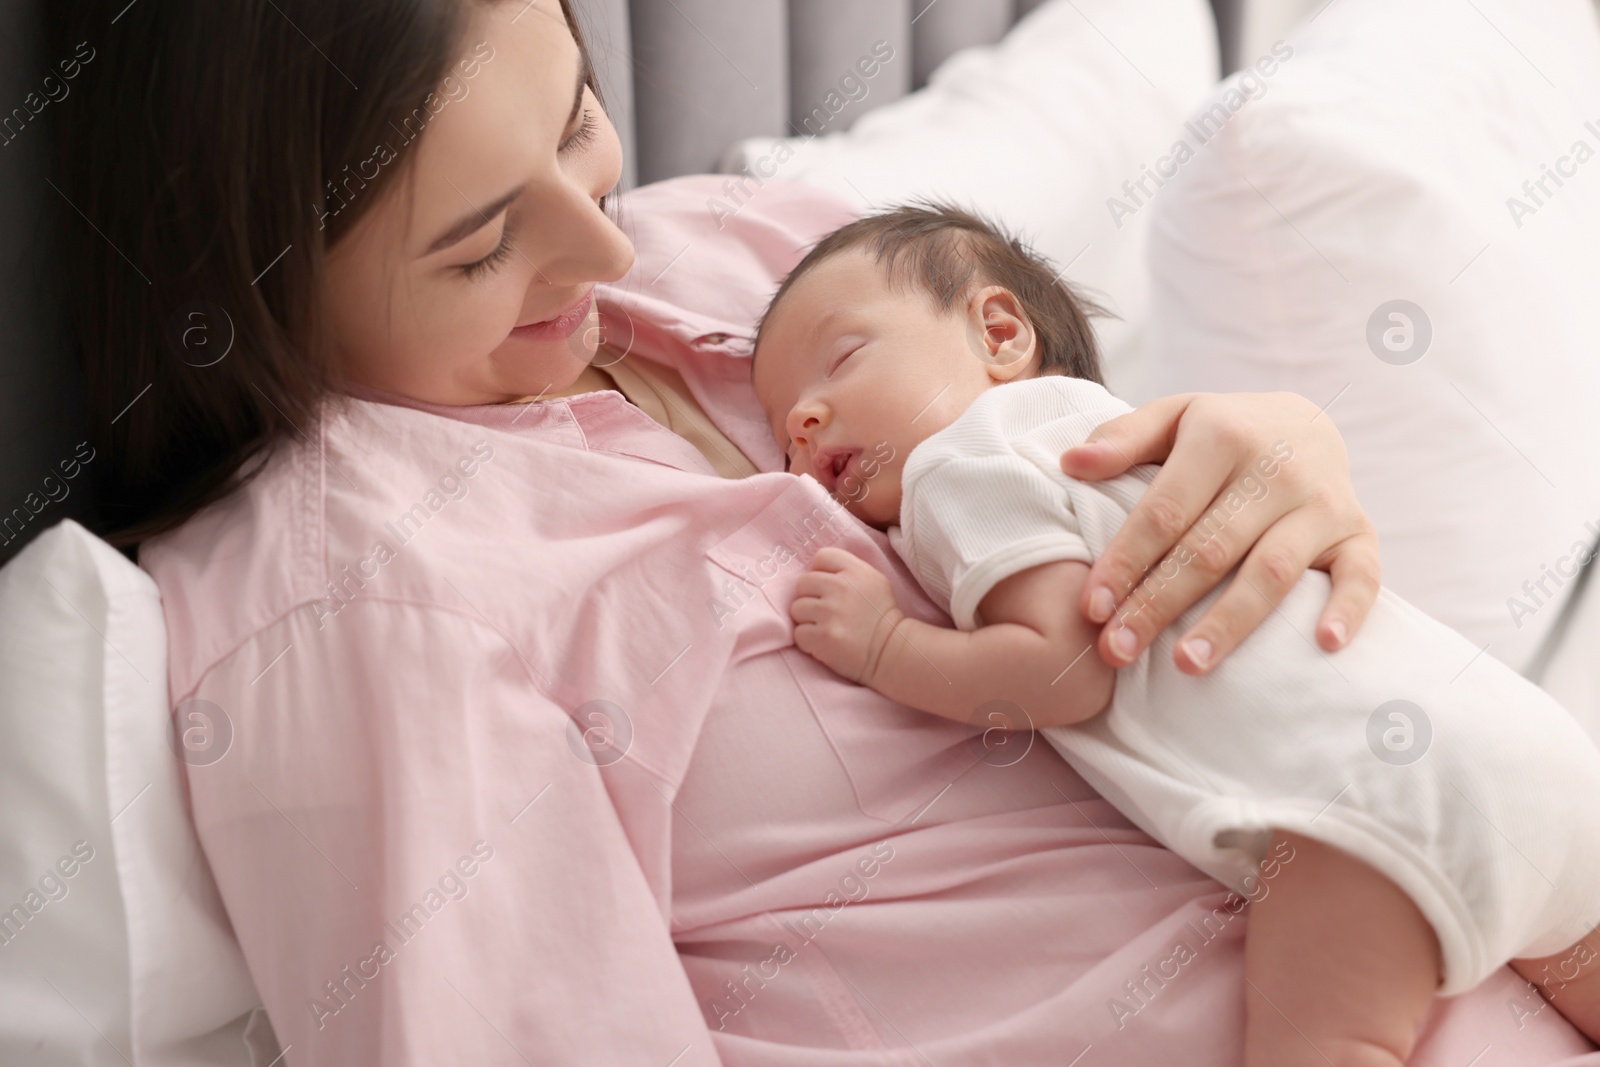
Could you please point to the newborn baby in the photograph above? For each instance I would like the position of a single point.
(1407, 814)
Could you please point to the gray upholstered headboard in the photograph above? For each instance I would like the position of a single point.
(684, 79)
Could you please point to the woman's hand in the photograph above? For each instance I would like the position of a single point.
(1277, 470)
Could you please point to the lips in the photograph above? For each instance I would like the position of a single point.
(561, 326)
(831, 464)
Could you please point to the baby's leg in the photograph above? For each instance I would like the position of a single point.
(1340, 965)
(1571, 981)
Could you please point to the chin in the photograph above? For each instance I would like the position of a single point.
(862, 511)
(529, 369)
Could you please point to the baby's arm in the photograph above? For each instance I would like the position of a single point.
(1035, 649)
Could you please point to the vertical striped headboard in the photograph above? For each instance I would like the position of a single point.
(684, 79)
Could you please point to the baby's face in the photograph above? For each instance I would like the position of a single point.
(853, 375)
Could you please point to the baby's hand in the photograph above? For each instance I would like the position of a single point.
(844, 613)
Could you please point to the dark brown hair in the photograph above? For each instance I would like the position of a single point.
(946, 253)
(208, 160)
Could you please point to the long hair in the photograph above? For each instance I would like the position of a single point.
(210, 154)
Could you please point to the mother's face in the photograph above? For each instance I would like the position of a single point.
(469, 281)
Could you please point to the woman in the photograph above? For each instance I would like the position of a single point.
(523, 765)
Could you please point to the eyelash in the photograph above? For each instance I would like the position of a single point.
(489, 262)
(841, 360)
(584, 134)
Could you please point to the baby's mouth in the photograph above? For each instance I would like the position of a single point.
(832, 465)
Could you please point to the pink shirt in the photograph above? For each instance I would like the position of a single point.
(526, 769)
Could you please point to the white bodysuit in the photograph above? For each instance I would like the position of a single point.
(1470, 788)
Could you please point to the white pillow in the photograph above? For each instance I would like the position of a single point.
(1572, 675)
(1035, 131)
(111, 931)
(1385, 161)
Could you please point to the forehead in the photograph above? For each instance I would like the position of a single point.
(808, 310)
(848, 281)
(493, 129)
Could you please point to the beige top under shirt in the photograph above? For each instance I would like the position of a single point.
(660, 392)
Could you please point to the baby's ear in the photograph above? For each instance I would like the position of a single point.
(1000, 332)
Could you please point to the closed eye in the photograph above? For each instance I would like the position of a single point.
(836, 364)
(583, 136)
(489, 262)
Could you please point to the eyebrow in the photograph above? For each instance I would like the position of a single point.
(479, 217)
(828, 319)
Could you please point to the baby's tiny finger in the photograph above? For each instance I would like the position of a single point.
(831, 559)
(804, 637)
(814, 583)
(811, 603)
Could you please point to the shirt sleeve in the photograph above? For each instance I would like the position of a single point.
(972, 519)
(421, 856)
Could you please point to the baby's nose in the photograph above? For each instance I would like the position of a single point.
(799, 427)
(802, 423)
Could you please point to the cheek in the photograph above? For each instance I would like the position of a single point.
(880, 504)
(898, 415)
(425, 339)
(462, 317)
(767, 409)
(452, 325)
(439, 337)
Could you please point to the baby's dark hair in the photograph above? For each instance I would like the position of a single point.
(946, 252)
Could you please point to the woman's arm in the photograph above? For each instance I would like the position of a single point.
(1209, 444)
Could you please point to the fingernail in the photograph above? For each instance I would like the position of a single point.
(1101, 605)
(1199, 651)
(1125, 643)
(1340, 633)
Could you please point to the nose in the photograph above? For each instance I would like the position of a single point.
(805, 419)
(580, 243)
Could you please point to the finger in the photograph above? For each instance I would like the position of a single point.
(866, 580)
(803, 634)
(1187, 501)
(1274, 566)
(859, 572)
(831, 559)
(821, 584)
(806, 609)
(1356, 574)
(1143, 435)
(1195, 566)
(816, 583)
